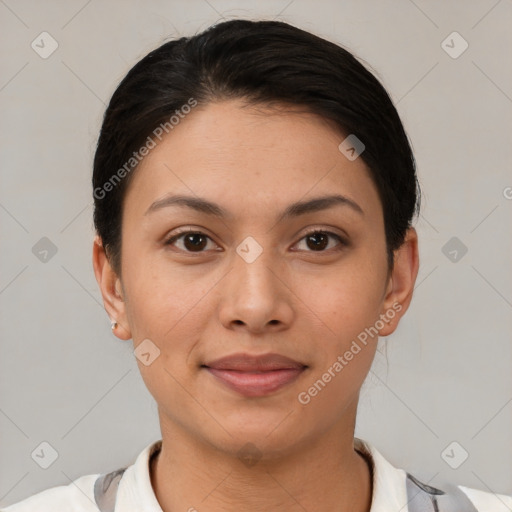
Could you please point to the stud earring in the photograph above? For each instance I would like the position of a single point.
(114, 325)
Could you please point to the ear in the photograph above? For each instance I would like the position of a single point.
(400, 284)
(110, 286)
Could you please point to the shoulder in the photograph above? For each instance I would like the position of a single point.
(483, 500)
(397, 489)
(98, 492)
(78, 496)
(453, 498)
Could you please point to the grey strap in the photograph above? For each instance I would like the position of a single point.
(424, 498)
(105, 490)
(455, 500)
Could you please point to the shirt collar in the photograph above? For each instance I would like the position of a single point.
(389, 490)
(135, 491)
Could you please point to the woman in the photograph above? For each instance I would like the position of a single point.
(254, 192)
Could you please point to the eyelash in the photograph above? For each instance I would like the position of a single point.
(341, 241)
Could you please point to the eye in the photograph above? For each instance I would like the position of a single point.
(196, 242)
(190, 241)
(318, 241)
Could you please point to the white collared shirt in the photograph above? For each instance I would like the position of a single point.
(135, 493)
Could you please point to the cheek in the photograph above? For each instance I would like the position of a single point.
(345, 343)
(348, 306)
(163, 298)
(348, 299)
(171, 309)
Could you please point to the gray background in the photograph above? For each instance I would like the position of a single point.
(446, 377)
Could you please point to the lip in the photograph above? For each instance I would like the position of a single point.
(254, 363)
(255, 375)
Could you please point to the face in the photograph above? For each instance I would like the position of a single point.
(252, 275)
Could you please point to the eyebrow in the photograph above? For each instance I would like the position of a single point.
(293, 210)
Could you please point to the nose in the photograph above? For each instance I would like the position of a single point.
(255, 296)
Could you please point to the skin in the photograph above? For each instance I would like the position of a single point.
(303, 303)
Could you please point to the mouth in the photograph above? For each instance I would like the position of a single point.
(255, 376)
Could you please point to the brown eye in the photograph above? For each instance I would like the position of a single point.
(318, 241)
(190, 241)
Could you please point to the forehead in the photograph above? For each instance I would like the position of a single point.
(230, 150)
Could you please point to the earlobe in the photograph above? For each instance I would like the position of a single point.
(401, 282)
(109, 284)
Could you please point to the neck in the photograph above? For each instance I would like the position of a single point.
(327, 475)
